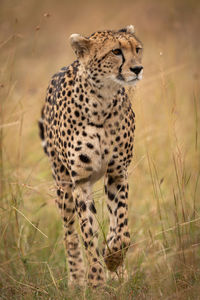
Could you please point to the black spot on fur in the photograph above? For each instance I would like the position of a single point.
(92, 208)
(110, 180)
(74, 173)
(82, 206)
(84, 158)
(111, 196)
(89, 145)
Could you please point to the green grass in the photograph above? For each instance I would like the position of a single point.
(163, 261)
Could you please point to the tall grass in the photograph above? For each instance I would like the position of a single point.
(163, 261)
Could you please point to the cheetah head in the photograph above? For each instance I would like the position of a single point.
(110, 56)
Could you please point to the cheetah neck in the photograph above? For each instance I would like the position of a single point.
(104, 90)
(98, 99)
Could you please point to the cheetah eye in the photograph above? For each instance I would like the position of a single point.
(138, 49)
(117, 51)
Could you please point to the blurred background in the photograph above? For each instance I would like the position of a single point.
(164, 210)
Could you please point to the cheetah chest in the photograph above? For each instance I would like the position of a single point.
(100, 154)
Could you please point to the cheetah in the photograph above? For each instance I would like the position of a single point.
(87, 131)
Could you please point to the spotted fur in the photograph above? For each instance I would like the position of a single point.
(87, 129)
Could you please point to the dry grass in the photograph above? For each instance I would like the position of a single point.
(164, 211)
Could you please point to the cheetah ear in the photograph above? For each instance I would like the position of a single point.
(128, 29)
(80, 44)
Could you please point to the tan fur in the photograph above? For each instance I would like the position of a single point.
(87, 128)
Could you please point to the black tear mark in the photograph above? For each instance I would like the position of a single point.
(123, 61)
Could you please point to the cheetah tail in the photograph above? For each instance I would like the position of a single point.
(41, 132)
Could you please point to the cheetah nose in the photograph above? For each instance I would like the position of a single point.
(136, 70)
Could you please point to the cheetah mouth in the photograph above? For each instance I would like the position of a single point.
(133, 80)
(126, 81)
(129, 81)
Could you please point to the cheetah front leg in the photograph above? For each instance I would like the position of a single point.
(66, 207)
(71, 239)
(89, 230)
(118, 239)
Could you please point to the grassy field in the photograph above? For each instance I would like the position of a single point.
(163, 261)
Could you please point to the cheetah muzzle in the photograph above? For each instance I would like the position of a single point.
(87, 130)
